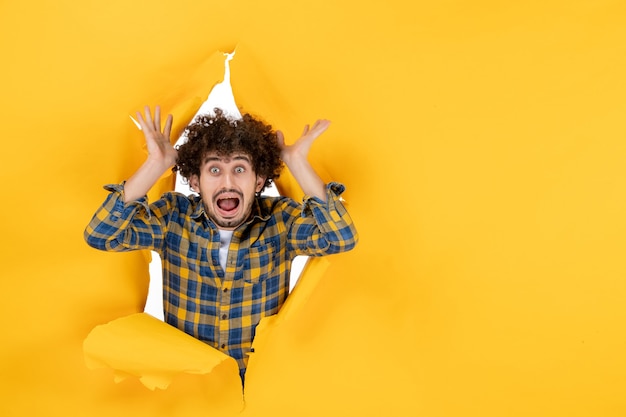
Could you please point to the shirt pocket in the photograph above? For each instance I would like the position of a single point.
(259, 263)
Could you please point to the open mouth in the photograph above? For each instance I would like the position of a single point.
(228, 204)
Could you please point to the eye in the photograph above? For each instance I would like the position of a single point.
(240, 170)
(214, 170)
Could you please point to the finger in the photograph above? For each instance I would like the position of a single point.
(139, 118)
(322, 122)
(168, 124)
(157, 118)
(305, 131)
(167, 130)
(142, 122)
(321, 125)
(280, 138)
(149, 121)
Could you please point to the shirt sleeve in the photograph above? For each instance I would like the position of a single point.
(119, 226)
(324, 227)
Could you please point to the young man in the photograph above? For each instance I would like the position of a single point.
(226, 253)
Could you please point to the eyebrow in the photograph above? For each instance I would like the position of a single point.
(238, 157)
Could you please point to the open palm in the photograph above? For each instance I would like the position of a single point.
(300, 148)
(157, 141)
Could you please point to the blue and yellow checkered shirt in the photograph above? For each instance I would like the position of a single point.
(223, 307)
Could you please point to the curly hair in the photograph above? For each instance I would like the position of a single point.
(225, 136)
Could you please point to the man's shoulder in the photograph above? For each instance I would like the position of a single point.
(178, 201)
(272, 206)
(273, 203)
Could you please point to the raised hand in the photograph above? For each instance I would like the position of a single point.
(158, 142)
(161, 154)
(295, 157)
(300, 148)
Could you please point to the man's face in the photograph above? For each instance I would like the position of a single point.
(227, 185)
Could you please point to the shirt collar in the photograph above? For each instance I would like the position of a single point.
(259, 211)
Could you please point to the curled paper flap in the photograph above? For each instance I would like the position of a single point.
(141, 346)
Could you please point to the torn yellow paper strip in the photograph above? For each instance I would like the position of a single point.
(139, 345)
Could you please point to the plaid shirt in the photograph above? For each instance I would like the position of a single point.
(223, 307)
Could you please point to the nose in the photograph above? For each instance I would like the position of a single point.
(227, 180)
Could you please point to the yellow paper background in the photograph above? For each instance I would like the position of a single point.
(482, 144)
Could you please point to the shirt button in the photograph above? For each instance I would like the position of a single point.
(223, 346)
(224, 316)
(225, 289)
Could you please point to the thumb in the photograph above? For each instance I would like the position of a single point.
(280, 138)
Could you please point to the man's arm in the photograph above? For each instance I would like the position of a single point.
(326, 227)
(120, 226)
(322, 228)
(161, 154)
(296, 158)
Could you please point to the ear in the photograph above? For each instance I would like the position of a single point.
(260, 182)
(194, 183)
